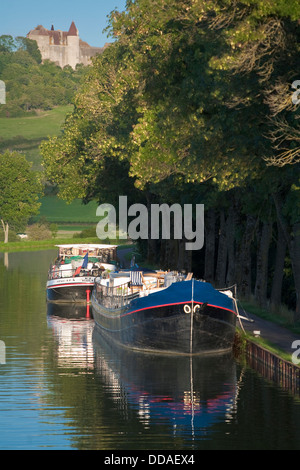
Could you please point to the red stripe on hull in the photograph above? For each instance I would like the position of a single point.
(179, 303)
(70, 285)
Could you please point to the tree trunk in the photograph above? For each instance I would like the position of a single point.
(275, 298)
(230, 237)
(261, 283)
(222, 253)
(210, 240)
(295, 259)
(180, 262)
(163, 253)
(152, 245)
(184, 257)
(188, 259)
(5, 230)
(169, 259)
(244, 259)
(293, 243)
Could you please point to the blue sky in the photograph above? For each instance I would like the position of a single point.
(18, 17)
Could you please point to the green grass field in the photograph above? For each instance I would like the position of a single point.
(25, 134)
(58, 211)
(34, 127)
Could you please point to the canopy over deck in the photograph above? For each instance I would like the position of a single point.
(81, 249)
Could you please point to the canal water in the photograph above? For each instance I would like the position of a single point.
(64, 386)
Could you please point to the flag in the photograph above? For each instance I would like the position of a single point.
(77, 271)
(85, 261)
(84, 265)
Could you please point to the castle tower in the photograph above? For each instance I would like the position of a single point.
(73, 55)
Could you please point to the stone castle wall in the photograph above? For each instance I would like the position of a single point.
(63, 47)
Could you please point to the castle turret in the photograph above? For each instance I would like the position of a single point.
(73, 43)
(73, 31)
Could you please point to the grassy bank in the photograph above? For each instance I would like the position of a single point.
(242, 338)
(30, 245)
(281, 316)
(25, 134)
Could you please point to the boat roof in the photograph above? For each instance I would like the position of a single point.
(184, 291)
(86, 245)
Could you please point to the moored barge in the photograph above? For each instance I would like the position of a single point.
(72, 275)
(164, 313)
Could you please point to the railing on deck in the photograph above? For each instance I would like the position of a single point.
(114, 297)
(232, 289)
(56, 273)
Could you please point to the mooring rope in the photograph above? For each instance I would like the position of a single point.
(192, 319)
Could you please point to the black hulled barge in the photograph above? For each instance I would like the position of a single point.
(164, 313)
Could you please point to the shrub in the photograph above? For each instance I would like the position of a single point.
(38, 232)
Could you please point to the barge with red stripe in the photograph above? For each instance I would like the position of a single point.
(72, 289)
(72, 275)
(188, 317)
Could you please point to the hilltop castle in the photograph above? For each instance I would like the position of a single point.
(63, 47)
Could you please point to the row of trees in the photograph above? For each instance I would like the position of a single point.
(193, 103)
(31, 84)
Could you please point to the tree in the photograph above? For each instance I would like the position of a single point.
(184, 104)
(7, 43)
(19, 191)
(31, 84)
(31, 47)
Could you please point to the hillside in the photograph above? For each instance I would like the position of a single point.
(30, 84)
(25, 134)
(38, 96)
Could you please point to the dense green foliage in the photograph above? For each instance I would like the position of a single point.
(30, 84)
(193, 103)
(19, 191)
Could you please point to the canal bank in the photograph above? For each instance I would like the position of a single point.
(272, 366)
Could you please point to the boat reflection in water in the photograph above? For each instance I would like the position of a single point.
(70, 310)
(189, 394)
(185, 394)
(72, 328)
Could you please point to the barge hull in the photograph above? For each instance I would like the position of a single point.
(69, 292)
(169, 329)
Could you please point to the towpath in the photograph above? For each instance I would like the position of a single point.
(275, 334)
